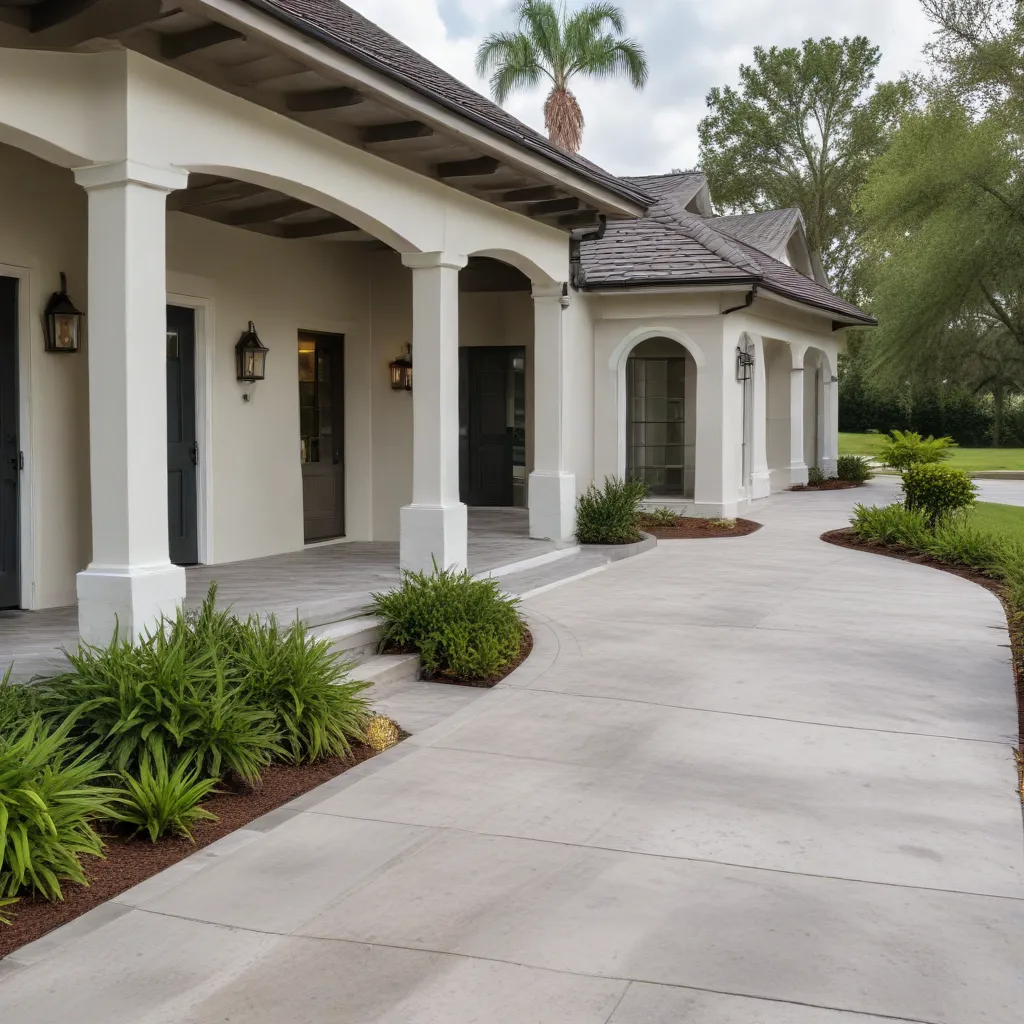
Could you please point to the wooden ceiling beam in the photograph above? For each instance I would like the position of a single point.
(181, 44)
(399, 131)
(582, 219)
(482, 165)
(531, 195)
(322, 99)
(554, 206)
(265, 213)
(55, 12)
(312, 228)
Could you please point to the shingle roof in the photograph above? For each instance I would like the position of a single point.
(671, 246)
(338, 26)
(767, 231)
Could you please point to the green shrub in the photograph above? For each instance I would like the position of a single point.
(904, 448)
(162, 801)
(608, 515)
(855, 468)
(891, 524)
(298, 678)
(168, 692)
(937, 491)
(49, 797)
(957, 542)
(815, 476)
(1010, 569)
(658, 517)
(463, 628)
(17, 704)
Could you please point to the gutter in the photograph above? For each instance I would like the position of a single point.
(745, 304)
(576, 239)
(341, 45)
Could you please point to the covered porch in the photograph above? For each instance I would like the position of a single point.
(320, 584)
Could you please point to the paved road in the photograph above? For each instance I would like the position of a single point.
(753, 781)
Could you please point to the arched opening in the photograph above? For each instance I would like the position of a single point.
(661, 417)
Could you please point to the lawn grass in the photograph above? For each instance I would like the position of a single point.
(972, 460)
(1007, 521)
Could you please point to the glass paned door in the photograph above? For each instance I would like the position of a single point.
(656, 449)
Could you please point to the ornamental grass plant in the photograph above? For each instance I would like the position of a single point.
(608, 515)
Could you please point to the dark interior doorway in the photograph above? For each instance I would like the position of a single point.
(322, 434)
(492, 426)
(182, 445)
(10, 451)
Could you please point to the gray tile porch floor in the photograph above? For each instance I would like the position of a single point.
(320, 584)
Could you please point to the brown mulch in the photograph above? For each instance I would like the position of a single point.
(525, 649)
(130, 861)
(691, 528)
(1014, 620)
(827, 485)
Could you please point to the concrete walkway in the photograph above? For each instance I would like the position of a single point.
(751, 781)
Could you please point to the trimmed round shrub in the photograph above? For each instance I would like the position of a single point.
(937, 491)
(463, 628)
(854, 468)
(608, 515)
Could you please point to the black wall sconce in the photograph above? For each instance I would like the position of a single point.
(401, 371)
(63, 322)
(251, 356)
(744, 364)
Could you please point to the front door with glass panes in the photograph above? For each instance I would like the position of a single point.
(322, 434)
(657, 451)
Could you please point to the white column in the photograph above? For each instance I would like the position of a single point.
(830, 424)
(797, 465)
(434, 526)
(130, 582)
(552, 489)
(761, 479)
(719, 432)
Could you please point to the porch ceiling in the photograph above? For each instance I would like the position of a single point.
(182, 34)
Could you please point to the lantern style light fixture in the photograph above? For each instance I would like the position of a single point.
(251, 356)
(401, 371)
(63, 321)
(744, 364)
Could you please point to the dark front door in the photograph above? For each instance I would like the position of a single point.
(322, 434)
(182, 450)
(493, 415)
(10, 454)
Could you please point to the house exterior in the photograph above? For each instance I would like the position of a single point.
(197, 166)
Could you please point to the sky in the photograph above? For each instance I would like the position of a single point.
(691, 45)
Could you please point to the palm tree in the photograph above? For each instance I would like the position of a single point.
(550, 42)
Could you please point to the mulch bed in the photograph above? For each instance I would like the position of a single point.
(130, 861)
(691, 528)
(827, 485)
(525, 649)
(1015, 621)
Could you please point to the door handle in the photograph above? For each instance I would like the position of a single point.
(194, 453)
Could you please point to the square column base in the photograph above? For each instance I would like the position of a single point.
(434, 533)
(553, 506)
(129, 599)
(761, 485)
(715, 510)
(828, 466)
(797, 474)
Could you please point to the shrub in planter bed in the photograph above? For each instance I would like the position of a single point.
(162, 800)
(904, 448)
(462, 627)
(658, 517)
(815, 476)
(854, 468)
(608, 515)
(957, 542)
(891, 524)
(17, 704)
(49, 796)
(937, 491)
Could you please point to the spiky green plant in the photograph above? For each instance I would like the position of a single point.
(161, 800)
(49, 797)
(17, 703)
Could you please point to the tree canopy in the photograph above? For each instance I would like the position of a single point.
(801, 131)
(553, 44)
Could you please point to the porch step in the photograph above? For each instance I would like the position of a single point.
(355, 638)
(385, 669)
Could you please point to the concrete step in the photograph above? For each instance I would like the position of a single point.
(356, 638)
(384, 669)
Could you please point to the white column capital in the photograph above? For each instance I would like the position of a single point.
(124, 172)
(549, 291)
(433, 260)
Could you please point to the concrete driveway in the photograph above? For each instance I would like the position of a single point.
(751, 781)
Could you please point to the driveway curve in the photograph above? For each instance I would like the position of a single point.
(748, 781)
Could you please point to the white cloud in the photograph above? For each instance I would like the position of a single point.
(692, 45)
